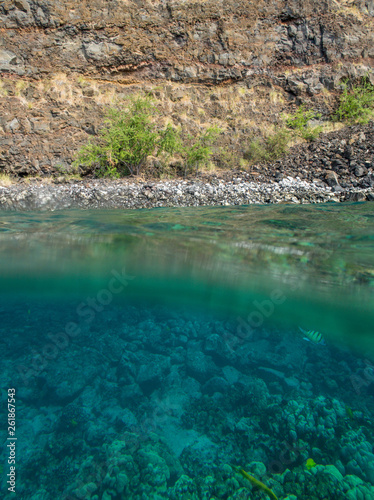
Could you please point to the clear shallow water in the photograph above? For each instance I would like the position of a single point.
(153, 350)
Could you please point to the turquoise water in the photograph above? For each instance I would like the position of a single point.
(153, 352)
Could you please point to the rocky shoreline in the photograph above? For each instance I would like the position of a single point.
(240, 66)
(105, 194)
(337, 167)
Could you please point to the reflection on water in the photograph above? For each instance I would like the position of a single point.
(180, 353)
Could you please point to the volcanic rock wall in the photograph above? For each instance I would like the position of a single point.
(236, 63)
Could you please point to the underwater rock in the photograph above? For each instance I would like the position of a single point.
(132, 468)
(191, 387)
(357, 489)
(257, 392)
(178, 354)
(72, 416)
(184, 489)
(130, 394)
(218, 348)
(246, 425)
(360, 454)
(154, 470)
(86, 491)
(40, 495)
(200, 453)
(123, 465)
(289, 381)
(151, 371)
(112, 347)
(127, 367)
(353, 468)
(199, 365)
(99, 433)
(72, 373)
(310, 418)
(216, 384)
(154, 337)
(208, 487)
(128, 419)
(120, 469)
(258, 469)
(325, 482)
(331, 469)
(231, 374)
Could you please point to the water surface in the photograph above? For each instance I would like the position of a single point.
(151, 351)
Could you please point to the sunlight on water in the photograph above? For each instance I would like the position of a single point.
(153, 351)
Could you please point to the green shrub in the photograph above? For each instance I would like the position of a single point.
(356, 104)
(196, 151)
(130, 136)
(299, 123)
(273, 146)
(268, 148)
(125, 141)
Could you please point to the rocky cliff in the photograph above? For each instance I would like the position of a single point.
(236, 63)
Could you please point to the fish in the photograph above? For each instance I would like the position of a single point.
(313, 336)
(256, 482)
(349, 413)
(310, 463)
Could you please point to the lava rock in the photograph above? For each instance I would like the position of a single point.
(360, 171)
(331, 178)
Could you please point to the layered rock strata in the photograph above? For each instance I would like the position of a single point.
(239, 64)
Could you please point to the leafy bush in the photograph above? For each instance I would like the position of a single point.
(299, 123)
(268, 148)
(130, 136)
(356, 103)
(197, 151)
(273, 146)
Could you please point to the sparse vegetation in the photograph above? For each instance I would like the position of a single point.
(130, 136)
(300, 124)
(5, 180)
(274, 145)
(196, 151)
(268, 148)
(3, 91)
(356, 103)
(68, 171)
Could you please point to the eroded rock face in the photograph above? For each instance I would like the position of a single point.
(63, 63)
(181, 40)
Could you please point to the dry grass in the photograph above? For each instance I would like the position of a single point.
(251, 112)
(243, 90)
(276, 97)
(209, 167)
(5, 180)
(41, 180)
(348, 7)
(3, 91)
(332, 126)
(243, 164)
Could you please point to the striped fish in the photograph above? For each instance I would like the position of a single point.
(312, 336)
